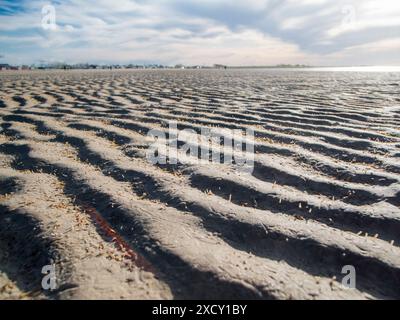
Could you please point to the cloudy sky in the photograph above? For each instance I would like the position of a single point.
(234, 32)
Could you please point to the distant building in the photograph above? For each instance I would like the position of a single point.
(4, 66)
(219, 66)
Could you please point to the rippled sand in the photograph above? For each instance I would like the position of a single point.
(77, 191)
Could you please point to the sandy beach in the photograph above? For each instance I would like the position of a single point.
(77, 191)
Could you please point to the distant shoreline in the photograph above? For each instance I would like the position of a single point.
(286, 68)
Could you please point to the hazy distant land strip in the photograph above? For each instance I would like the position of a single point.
(85, 66)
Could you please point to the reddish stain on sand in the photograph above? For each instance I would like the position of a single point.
(117, 239)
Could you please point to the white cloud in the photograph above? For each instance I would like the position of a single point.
(367, 15)
(206, 31)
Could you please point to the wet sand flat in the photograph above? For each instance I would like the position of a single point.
(78, 192)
